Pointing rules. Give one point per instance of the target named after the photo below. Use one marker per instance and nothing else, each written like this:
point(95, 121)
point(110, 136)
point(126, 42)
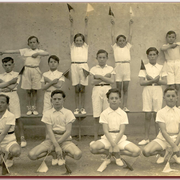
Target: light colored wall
point(50, 23)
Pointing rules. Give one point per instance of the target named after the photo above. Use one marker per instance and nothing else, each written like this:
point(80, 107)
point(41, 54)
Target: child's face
point(33, 44)
point(8, 66)
point(57, 101)
point(121, 42)
point(171, 98)
point(152, 56)
point(114, 100)
point(53, 64)
point(3, 104)
point(79, 41)
point(102, 58)
point(171, 38)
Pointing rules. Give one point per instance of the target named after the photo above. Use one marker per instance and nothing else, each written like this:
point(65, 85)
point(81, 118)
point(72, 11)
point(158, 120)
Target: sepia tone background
point(50, 23)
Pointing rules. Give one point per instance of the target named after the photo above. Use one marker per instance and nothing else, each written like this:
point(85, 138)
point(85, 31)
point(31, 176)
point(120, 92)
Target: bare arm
point(109, 80)
point(6, 84)
point(10, 52)
point(86, 30)
point(4, 132)
point(163, 81)
point(93, 80)
point(71, 29)
point(130, 31)
point(168, 46)
point(113, 32)
point(59, 84)
point(144, 82)
point(121, 133)
point(40, 54)
point(45, 85)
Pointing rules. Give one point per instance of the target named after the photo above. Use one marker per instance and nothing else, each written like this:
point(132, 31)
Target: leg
point(28, 96)
point(82, 95)
point(125, 92)
point(147, 124)
point(119, 86)
point(77, 96)
point(96, 128)
point(34, 97)
point(98, 148)
point(156, 125)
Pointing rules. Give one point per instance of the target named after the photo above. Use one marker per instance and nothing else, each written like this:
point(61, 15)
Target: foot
point(23, 142)
point(29, 110)
point(54, 162)
point(143, 142)
point(83, 111)
point(9, 163)
point(177, 159)
point(125, 109)
point(34, 110)
point(162, 158)
point(76, 111)
point(91, 143)
point(119, 162)
point(61, 162)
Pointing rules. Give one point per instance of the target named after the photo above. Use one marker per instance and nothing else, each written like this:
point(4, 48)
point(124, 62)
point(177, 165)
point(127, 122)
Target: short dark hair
point(7, 59)
point(53, 57)
point(31, 37)
point(102, 51)
point(79, 35)
point(170, 88)
point(113, 90)
point(58, 92)
point(120, 37)
point(170, 32)
point(152, 49)
point(7, 97)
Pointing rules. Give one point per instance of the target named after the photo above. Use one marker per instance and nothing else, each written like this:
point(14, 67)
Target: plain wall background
point(50, 23)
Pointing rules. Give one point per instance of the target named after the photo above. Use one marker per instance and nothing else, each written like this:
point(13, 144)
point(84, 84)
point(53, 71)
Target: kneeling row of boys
point(58, 122)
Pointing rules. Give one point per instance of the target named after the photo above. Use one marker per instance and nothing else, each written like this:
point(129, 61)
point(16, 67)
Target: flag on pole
point(66, 74)
point(5, 169)
point(22, 70)
point(86, 73)
point(70, 7)
point(89, 8)
point(142, 66)
point(131, 12)
point(110, 12)
point(43, 167)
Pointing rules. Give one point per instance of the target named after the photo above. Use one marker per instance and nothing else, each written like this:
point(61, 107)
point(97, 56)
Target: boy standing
point(151, 78)
point(58, 121)
point(51, 80)
point(168, 120)
point(102, 76)
point(8, 142)
point(114, 142)
point(8, 86)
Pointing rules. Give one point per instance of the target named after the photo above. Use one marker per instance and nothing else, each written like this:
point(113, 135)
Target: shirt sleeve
point(159, 117)
point(42, 79)
point(128, 45)
point(163, 72)
point(62, 78)
point(103, 119)
point(86, 45)
point(46, 118)
point(125, 119)
point(114, 46)
point(70, 118)
point(10, 120)
point(142, 73)
point(112, 71)
point(92, 71)
point(22, 51)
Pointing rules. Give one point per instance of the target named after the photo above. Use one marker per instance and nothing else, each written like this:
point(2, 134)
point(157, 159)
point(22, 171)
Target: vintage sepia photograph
point(89, 89)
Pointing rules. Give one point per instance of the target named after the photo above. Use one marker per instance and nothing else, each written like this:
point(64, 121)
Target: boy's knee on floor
point(77, 155)
point(146, 152)
point(32, 155)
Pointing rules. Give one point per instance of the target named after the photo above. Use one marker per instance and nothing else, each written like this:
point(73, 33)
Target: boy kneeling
point(114, 142)
point(58, 121)
point(168, 120)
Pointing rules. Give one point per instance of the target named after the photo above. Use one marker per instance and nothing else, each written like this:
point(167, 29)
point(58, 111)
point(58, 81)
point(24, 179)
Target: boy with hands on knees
point(114, 142)
point(168, 120)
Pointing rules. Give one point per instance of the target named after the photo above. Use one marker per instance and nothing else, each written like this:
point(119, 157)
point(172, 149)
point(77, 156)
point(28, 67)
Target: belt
point(31, 66)
point(114, 131)
point(60, 133)
point(78, 62)
point(102, 85)
point(153, 85)
point(8, 91)
point(122, 62)
point(10, 132)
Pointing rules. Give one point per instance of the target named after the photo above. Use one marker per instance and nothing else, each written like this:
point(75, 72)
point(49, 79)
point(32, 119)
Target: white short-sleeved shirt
point(171, 117)
point(152, 70)
point(172, 53)
point(30, 61)
point(9, 76)
point(98, 70)
point(79, 54)
point(58, 119)
point(53, 75)
point(122, 54)
point(7, 119)
point(113, 118)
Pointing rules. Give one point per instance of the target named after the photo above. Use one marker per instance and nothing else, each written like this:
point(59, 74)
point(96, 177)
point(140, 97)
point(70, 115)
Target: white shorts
point(162, 142)
point(14, 104)
point(77, 74)
point(47, 101)
point(31, 78)
point(99, 99)
point(123, 72)
point(173, 71)
point(121, 144)
point(152, 98)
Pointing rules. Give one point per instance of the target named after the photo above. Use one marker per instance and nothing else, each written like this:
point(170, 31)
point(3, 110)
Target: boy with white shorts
point(8, 144)
point(168, 120)
point(151, 78)
point(114, 142)
point(8, 86)
point(102, 76)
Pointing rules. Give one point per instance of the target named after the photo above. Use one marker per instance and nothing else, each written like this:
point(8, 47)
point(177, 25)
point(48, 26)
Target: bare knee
point(136, 152)
point(146, 152)
point(93, 149)
point(16, 151)
point(77, 155)
point(32, 155)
